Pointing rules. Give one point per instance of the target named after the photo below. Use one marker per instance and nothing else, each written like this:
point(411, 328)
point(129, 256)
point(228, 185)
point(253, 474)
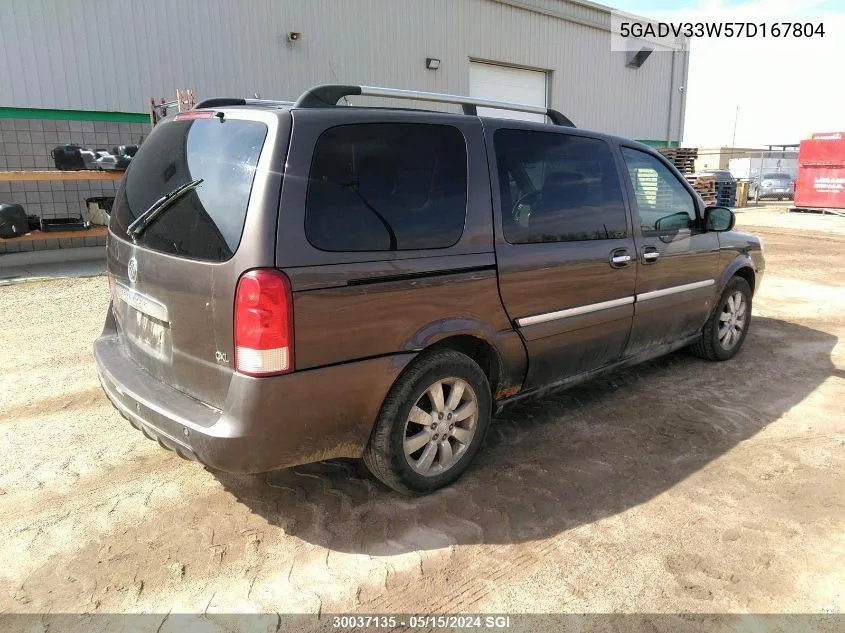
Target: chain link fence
point(737, 177)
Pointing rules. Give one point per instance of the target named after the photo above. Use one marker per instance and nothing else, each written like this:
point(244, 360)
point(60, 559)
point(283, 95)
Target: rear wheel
point(431, 424)
point(725, 330)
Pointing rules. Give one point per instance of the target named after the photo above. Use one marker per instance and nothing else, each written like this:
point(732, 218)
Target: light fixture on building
point(293, 36)
point(635, 59)
point(432, 63)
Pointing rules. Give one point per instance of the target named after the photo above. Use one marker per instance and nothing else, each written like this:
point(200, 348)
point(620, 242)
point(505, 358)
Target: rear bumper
point(266, 423)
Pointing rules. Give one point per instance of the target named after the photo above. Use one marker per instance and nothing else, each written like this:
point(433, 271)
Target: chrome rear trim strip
point(571, 312)
point(655, 294)
point(141, 302)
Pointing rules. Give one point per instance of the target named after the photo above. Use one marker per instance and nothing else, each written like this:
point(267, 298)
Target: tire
point(385, 455)
point(711, 346)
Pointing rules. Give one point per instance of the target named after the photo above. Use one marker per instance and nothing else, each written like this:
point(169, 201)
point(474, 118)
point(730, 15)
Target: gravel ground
point(675, 486)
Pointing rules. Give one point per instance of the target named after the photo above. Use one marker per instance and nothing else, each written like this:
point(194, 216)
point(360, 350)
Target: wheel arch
point(480, 351)
point(747, 273)
point(501, 355)
point(743, 267)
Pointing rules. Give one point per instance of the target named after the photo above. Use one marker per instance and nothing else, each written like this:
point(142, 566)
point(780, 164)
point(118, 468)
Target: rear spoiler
point(222, 102)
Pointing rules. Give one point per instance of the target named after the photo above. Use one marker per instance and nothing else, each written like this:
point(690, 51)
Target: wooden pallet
point(705, 186)
point(682, 157)
point(93, 231)
point(87, 174)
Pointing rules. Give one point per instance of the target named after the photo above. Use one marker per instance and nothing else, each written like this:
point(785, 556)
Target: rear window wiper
point(158, 207)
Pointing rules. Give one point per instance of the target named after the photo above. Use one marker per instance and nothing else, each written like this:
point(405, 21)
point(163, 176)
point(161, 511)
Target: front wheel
point(725, 330)
point(432, 423)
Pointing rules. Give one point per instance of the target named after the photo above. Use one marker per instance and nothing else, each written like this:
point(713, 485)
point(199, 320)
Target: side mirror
point(673, 223)
point(719, 219)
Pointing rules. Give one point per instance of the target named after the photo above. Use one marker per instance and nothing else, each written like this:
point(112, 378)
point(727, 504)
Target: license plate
point(148, 333)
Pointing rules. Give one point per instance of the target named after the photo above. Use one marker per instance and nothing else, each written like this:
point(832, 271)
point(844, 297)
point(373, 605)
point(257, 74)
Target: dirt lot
point(679, 485)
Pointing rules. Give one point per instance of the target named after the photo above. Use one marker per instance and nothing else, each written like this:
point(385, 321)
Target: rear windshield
point(777, 176)
point(206, 223)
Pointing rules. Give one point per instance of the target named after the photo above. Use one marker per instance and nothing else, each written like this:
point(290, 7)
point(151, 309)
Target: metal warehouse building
point(103, 59)
point(83, 71)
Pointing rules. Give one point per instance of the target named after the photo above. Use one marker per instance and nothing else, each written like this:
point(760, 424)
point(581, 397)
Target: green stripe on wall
point(73, 115)
point(653, 143)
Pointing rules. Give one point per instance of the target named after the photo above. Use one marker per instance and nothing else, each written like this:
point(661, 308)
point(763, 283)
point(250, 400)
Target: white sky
point(786, 88)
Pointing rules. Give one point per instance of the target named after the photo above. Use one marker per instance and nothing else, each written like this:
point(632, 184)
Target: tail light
point(263, 323)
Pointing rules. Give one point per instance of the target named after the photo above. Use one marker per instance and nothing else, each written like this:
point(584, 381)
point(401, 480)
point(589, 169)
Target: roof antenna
point(336, 80)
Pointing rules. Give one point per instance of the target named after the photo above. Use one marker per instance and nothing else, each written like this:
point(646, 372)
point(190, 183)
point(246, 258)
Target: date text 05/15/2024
point(721, 29)
point(421, 621)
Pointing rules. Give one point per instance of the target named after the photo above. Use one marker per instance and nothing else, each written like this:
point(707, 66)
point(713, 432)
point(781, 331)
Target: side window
point(557, 188)
point(387, 187)
point(663, 203)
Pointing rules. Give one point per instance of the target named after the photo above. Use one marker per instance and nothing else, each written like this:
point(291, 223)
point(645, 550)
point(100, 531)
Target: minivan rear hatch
point(173, 282)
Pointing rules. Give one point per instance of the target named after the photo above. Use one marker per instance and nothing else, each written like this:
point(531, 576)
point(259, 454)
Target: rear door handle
point(650, 254)
point(620, 258)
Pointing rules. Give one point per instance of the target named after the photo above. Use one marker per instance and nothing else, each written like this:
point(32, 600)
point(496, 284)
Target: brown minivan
point(298, 282)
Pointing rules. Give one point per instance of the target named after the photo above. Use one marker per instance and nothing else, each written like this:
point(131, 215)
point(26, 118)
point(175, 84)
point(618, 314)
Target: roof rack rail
point(328, 95)
point(221, 102)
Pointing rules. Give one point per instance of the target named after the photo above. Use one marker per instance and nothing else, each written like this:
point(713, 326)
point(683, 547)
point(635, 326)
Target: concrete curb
point(57, 256)
point(18, 268)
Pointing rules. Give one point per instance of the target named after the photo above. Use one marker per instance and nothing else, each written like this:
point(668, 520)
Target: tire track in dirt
point(66, 402)
point(460, 512)
point(141, 529)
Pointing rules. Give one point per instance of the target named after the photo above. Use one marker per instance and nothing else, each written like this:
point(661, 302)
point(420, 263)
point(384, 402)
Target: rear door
point(564, 247)
point(677, 261)
point(173, 286)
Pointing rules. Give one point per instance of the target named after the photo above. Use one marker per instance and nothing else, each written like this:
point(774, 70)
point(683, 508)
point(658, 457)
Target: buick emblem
point(132, 270)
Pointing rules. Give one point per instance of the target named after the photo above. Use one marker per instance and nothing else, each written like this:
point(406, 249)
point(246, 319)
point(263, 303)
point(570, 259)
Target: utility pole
point(736, 119)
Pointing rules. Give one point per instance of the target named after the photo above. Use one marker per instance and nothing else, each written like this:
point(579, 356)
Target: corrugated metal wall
point(112, 55)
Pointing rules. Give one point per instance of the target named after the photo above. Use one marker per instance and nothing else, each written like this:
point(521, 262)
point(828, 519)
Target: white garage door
point(501, 83)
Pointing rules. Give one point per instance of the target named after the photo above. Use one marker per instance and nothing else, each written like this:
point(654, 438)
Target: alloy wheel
point(440, 426)
point(732, 320)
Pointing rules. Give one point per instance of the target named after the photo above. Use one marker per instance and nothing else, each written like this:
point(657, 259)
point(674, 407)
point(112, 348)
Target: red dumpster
point(821, 172)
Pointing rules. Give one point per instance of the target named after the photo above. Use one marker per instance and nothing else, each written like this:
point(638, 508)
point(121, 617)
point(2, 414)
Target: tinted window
point(206, 223)
point(557, 188)
point(387, 187)
point(663, 203)
point(777, 176)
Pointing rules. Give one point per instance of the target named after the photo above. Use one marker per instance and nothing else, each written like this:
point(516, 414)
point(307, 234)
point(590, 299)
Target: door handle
point(620, 258)
point(650, 254)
